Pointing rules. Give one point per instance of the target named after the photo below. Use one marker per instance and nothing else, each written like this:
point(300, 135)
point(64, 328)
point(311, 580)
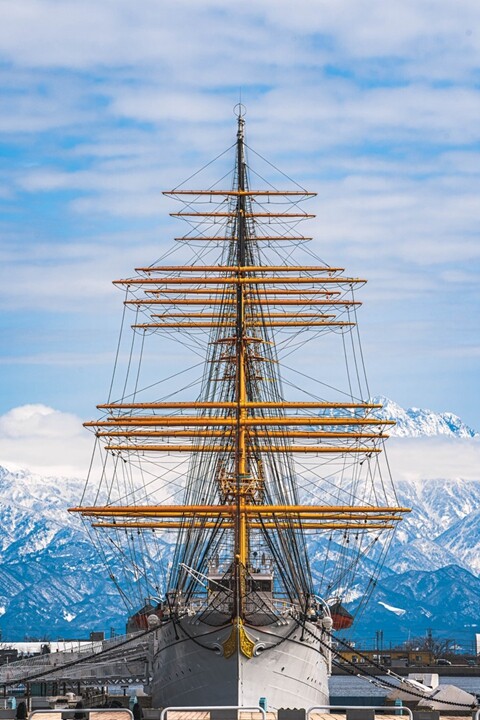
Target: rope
point(385, 670)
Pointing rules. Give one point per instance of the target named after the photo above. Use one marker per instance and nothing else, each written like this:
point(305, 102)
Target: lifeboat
point(341, 618)
point(139, 621)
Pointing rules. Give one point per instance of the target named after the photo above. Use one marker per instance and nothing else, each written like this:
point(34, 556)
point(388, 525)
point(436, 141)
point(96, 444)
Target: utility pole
point(379, 640)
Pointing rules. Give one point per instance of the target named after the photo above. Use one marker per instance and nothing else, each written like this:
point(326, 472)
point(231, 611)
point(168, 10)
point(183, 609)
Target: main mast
point(241, 434)
point(241, 458)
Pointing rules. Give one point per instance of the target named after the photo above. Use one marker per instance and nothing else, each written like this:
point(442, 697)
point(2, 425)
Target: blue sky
point(375, 105)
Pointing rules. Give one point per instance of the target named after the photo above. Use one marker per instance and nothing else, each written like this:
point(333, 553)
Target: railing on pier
point(393, 709)
point(209, 708)
point(71, 712)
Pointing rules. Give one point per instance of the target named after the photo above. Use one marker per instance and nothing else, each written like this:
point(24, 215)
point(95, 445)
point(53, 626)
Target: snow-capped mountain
point(445, 600)
point(463, 540)
point(44, 553)
point(414, 422)
point(54, 584)
point(436, 506)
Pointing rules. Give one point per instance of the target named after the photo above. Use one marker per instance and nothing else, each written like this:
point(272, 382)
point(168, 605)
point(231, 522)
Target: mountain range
point(54, 584)
point(414, 422)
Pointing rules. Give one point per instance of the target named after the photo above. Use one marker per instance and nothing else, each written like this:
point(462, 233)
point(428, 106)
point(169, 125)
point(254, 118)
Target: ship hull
point(189, 668)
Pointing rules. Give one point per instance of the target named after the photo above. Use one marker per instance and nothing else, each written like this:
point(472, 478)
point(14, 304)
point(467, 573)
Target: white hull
point(192, 670)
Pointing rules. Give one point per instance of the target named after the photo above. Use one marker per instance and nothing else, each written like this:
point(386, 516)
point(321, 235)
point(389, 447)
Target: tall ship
point(236, 489)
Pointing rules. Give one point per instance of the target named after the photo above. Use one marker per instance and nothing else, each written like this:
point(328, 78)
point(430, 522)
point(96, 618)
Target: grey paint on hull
point(189, 669)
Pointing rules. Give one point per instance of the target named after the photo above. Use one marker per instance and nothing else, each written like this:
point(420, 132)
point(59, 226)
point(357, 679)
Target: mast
point(240, 433)
point(241, 461)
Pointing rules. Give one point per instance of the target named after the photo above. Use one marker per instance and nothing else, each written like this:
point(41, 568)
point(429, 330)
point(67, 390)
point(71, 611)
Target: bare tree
point(439, 647)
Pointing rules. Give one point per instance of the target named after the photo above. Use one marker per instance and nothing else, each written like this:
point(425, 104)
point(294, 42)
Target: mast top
point(240, 110)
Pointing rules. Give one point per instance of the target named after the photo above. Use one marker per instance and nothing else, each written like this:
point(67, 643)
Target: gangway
point(108, 661)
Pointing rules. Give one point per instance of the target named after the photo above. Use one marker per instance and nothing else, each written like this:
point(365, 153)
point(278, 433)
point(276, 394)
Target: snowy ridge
point(414, 422)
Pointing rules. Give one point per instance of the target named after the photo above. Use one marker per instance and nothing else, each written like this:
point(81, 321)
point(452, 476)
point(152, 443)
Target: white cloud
point(45, 441)
point(434, 458)
point(372, 104)
point(51, 442)
point(71, 278)
point(44, 32)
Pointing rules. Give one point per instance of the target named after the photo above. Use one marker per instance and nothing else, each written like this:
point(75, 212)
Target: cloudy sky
point(375, 105)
